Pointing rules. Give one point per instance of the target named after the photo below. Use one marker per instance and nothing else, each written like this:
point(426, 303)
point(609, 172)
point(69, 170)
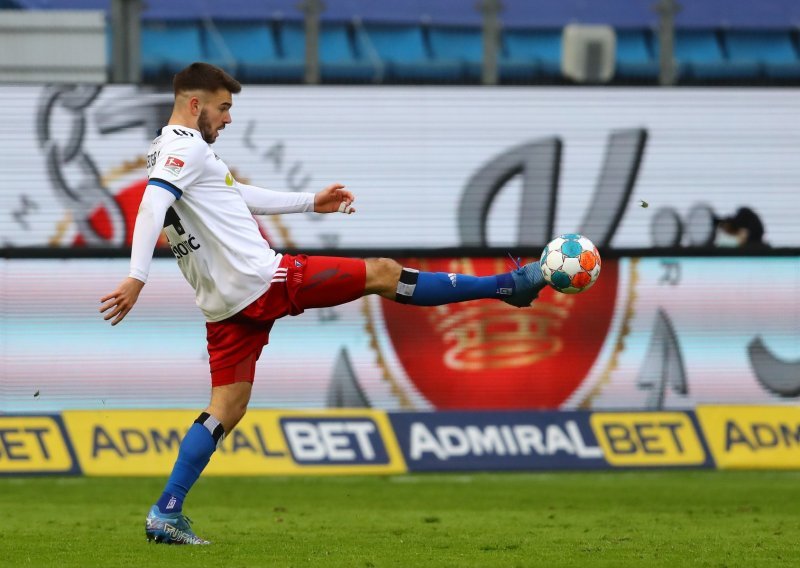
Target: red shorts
point(234, 344)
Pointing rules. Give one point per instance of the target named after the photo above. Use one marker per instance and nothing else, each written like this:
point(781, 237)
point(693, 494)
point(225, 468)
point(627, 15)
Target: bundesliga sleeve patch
point(173, 165)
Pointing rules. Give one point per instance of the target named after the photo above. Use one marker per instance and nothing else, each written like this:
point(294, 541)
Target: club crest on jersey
point(229, 179)
point(173, 165)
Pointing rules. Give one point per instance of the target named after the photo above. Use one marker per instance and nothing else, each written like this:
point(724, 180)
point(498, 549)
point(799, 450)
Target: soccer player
point(241, 284)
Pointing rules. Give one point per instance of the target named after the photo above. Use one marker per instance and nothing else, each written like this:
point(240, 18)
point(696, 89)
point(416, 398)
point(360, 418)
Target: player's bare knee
point(236, 417)
point(230, 417)
point(237, 411)
point(382, 276)
point(228, 412)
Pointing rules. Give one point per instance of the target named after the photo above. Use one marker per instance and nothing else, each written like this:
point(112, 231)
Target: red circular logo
point(486, 354)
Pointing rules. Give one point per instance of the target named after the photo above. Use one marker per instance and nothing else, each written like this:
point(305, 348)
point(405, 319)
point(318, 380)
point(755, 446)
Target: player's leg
point(229, 402)
point(230, 394)
point(328, 281)
point(331, 281)
point(228, 406)
point(389, 279)
point(166, 522)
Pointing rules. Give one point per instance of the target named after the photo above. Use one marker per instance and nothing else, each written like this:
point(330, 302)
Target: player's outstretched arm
point(119, 302)
point(334, 199)
point(261, 201)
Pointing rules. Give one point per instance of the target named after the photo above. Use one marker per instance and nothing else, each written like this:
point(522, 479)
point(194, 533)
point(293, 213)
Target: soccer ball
point(570, 263)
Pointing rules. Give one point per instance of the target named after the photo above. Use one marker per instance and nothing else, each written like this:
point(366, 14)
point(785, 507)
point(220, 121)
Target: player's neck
point(178, 119)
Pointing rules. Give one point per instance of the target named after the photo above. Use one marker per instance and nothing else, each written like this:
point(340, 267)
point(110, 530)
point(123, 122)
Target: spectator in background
point(741, 230)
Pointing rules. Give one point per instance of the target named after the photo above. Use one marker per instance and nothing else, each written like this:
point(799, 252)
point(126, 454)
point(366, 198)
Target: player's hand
point(119, 302)
point(334, 199)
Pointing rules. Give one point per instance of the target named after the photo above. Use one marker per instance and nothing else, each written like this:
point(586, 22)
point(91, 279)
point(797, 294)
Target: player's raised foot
point(172, 528)
point(528, 280)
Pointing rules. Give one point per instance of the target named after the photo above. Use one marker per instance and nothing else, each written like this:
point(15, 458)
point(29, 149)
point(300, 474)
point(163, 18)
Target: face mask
point(726, 240)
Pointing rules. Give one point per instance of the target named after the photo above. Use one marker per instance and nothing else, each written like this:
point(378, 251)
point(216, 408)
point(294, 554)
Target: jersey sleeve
point(149, 222)
point(179, 164)
point(263, 201)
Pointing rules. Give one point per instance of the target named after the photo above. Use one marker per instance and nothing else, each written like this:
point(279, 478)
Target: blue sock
point(193, 456)
point(438, 288)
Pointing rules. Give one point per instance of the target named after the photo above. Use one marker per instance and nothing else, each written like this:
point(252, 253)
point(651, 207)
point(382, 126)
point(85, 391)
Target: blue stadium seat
point(700, 57)
point(339, 61)
point(168, 48)
point(403, 54)
point(634, 58)
point(251, 45)
point(532, 52)
point(460, 46)
point(465, 45)
point(773, 50)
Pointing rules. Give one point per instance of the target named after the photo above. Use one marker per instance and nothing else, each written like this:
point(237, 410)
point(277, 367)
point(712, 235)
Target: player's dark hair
point(201, 76)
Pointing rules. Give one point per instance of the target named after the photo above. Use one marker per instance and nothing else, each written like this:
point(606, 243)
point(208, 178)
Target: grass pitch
point(678, 518)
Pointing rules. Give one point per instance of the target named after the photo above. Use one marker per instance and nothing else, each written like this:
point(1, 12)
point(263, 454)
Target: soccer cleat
point(528, 280)
point(172, 528)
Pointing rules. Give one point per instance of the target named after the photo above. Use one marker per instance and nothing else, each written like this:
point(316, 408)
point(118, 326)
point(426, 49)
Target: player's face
point(215, 114)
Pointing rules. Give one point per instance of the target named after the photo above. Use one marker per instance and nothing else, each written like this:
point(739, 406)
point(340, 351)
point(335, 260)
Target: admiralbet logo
point(333, 441)
point(455, 441)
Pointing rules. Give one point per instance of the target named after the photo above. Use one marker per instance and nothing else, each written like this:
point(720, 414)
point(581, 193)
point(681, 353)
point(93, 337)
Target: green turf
point(689, 518)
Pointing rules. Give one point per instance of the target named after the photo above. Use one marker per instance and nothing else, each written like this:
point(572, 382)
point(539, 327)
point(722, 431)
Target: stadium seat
point(168, 48)
point(634, 58)
point(339, 61)
point(773, 50)
point(459, 46)
point(700, 57)
point(403, 54)
point(251, 45)
point(531, 53)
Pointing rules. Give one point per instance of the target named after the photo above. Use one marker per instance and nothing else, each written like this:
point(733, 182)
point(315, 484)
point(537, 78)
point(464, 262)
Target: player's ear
point(195, 105)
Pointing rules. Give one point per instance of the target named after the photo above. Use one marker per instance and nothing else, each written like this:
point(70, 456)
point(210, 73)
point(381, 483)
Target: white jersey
point(218, 244)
